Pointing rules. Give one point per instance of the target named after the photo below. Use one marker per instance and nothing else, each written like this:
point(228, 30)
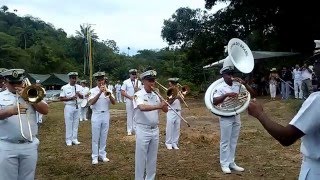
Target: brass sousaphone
point(240, 56)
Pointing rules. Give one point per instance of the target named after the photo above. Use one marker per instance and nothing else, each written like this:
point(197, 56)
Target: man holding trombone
point(173, 120)
point(147, 105)
point(18, 128)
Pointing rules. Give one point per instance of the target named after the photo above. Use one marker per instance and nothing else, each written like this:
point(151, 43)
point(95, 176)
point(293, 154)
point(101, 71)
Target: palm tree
point(85, 30)
point(88, 35)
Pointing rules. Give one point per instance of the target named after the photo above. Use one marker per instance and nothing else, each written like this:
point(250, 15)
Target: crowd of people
point(296, 82)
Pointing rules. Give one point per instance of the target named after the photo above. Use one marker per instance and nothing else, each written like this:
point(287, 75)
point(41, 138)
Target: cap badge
point(15, 74)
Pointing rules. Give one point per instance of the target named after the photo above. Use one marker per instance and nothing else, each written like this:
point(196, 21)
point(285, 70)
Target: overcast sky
point(131, 23)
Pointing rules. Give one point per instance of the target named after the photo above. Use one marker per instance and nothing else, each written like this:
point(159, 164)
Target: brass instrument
point(136, 85)
point(32, 93)
point(174, 92)
point(158, 94)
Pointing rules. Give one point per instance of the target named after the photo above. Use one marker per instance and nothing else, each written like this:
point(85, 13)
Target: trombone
point(31, 94)
point(172, 92)
point(158, 94)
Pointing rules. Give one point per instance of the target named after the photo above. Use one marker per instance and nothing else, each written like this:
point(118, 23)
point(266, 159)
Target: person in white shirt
point(306, 85)
point(110, 86)
point(100, 105)
point(39, 116)
point(85, 93)
point(229, 125)
point(305, 125)
point(118, 92)
point(147, 106)
point(297, 81)
point(173, 120)
point(128, 88)
point(70, 94)
point(18, 142)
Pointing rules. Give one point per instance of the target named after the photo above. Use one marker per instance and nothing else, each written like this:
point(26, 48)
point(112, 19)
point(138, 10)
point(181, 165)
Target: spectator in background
point(273, 81)
point(297, 81)
point(285, 78)
point(306, 84)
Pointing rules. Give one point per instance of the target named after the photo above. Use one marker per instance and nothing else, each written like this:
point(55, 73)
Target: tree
point(183, 27)
point(280, 26)
point(4, 8)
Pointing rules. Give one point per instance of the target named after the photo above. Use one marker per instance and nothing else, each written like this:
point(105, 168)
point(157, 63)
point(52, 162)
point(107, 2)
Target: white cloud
point(135, 24)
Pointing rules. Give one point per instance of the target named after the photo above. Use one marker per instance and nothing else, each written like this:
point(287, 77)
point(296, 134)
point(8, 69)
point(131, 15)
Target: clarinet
point(75, 92)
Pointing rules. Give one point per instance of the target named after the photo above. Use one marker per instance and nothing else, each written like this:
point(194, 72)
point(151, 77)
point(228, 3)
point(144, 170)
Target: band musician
point(128, 88)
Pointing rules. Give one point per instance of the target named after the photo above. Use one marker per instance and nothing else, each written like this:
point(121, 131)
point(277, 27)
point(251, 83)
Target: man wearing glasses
point(128, 88)
point(70, 94)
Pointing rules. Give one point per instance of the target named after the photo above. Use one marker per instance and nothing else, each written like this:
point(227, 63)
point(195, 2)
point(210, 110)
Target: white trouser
point(129, 109)
point(147, 142)
point(39, 117)
point(273, 90)
point(310, 169)
point(297, 89)
point(230, 129)
point(118, 96)
point(99, 129)
point(18, 161)
point(83, 112)
point(71, 119)
point(173, 127)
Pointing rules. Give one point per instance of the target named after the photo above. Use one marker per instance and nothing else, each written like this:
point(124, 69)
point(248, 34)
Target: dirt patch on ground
point(198, 157)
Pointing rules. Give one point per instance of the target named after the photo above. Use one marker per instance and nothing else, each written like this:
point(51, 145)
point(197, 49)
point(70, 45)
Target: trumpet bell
point(185, 89)
point(33, 93)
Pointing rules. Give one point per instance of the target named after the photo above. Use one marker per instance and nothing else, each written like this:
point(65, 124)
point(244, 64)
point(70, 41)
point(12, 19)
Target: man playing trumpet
point(100, 99)
point(229, 125)
point(18, 148)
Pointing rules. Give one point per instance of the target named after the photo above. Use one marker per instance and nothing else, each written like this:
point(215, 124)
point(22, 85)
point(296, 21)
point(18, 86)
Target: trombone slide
point(171, 107)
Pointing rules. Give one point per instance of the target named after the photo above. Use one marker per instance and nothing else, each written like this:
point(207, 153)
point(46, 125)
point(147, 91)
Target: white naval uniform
point(128, 87)
point(147, 135)
point(83, 110)
point(307, 120)
point(99, 124)
point(297, 80)
point(173, 123)
point(18, 157)
point(229, 128)
point(71, 113)
point(118, 92)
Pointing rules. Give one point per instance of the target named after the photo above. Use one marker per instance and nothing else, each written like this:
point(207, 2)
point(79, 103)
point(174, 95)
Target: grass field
point(198, 157)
